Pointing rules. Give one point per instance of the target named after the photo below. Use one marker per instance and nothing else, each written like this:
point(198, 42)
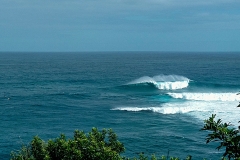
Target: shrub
point(95, 145)
point(104, 145)
point(229, 137)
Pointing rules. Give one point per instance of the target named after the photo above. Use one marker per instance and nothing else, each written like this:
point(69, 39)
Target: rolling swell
point(140, 87)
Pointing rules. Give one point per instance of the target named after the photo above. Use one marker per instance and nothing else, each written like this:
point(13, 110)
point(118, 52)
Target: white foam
point(207, 96)
point(164, 82)
point(153, 109)
point(201, 110)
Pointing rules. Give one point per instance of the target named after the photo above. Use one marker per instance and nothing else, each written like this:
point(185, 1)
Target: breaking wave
point(163, 82)
point(199, 100)
point(201, 110)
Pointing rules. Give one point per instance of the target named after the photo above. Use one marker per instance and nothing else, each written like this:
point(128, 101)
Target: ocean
point(156, 102)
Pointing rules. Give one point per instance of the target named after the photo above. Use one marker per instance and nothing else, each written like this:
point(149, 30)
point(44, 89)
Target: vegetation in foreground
point(228, 137)
point(104, 145)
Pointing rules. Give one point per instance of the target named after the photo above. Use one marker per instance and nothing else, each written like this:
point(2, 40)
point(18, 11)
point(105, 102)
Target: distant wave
point(207, 96)
point(163, 82)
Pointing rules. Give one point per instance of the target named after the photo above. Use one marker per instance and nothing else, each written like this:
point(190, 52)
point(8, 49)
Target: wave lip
point(163, 82)
point(206, 96)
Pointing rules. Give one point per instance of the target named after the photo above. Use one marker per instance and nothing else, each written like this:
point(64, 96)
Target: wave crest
point(163, 82)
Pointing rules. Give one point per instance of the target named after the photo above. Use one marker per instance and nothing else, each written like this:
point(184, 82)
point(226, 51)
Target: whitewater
point(196, 104)
point(156, 102)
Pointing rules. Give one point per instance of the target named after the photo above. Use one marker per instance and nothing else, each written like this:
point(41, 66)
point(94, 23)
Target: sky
point(120, 25)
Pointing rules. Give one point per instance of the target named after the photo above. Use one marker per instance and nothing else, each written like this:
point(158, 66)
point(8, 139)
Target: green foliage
point(95, 145)
point(38, 149)
point(104, 145)
point(229, 137)
point(23, 154)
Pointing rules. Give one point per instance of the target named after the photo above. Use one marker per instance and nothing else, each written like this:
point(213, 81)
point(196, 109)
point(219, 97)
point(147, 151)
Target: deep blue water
point(155, 102)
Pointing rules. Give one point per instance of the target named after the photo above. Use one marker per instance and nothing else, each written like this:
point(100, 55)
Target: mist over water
point(155, 102)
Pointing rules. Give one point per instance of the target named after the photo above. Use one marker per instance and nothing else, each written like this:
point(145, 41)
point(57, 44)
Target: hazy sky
point(119, 25)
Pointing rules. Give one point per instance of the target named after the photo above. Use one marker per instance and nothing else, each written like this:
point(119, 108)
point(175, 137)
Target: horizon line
point(119, 51)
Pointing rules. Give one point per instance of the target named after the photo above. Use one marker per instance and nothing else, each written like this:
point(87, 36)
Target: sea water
point(156, 102)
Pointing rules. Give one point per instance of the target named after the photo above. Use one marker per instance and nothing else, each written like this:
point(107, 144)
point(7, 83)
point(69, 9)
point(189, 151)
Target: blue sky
point(120, 25)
